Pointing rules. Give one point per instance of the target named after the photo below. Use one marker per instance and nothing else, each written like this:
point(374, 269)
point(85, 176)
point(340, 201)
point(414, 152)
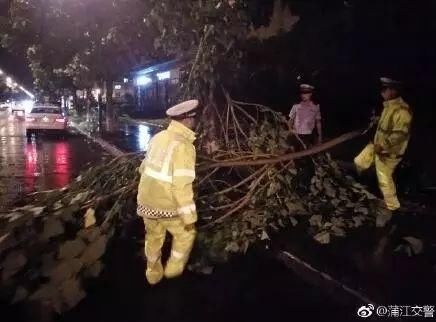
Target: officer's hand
point(190, 227)
point(378, 149)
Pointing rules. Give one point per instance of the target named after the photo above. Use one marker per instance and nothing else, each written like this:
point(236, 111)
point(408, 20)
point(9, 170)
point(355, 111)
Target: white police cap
point(187, 109)
point(307, 88)
point(386, 81)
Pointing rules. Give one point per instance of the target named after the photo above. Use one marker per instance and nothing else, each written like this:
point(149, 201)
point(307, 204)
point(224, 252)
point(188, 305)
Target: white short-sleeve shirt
point(304, 116)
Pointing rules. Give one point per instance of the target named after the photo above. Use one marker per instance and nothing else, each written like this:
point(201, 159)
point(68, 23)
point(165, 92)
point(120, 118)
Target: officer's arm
point(292, 116)
point(142, 166)
point(183, 177)
point(319, 124)
point(402, 121)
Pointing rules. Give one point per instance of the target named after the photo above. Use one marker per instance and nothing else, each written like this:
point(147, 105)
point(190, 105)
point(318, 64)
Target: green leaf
point(329, 189)
point(362, 210)
point(416, 244)
point(316, 220)
point(322, 237)
point(232, 247)
point(358, 221)
point(338, 231)
point(264, 235)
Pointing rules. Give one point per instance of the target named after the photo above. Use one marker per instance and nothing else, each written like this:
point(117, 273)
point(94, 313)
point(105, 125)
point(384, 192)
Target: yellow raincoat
point(390, 143)
point(166, 199)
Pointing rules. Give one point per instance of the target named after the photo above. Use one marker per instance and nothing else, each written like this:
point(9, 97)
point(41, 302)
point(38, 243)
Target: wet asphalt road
point(42, 163)
point(131, 137)
point(251, 288)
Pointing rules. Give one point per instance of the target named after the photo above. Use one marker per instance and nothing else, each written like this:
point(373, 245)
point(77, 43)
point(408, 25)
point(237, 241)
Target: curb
point(321, 279)
point(133, 121)
point(108, 147)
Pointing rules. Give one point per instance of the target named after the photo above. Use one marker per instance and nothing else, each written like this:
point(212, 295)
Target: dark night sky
point(16, 67)
point(13, 65)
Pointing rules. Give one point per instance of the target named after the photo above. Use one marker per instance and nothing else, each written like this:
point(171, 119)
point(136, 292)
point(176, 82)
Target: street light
point(27, 92)
point(143, 80)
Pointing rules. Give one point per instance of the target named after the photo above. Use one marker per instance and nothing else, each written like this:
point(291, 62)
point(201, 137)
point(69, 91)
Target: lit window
point(117, 86)
point(125, 80)
point(143, 80)
point(163, 75)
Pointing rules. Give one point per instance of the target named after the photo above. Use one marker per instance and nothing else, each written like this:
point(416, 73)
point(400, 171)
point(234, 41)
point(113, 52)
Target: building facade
point(156, 86)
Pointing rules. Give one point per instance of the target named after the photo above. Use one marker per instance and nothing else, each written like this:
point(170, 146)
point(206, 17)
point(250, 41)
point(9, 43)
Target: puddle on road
point(131, 137)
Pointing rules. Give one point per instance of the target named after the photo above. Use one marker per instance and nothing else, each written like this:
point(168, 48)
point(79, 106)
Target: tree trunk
point(76, 102)
point(110, 116)
point(286, 157)
point(88, 102)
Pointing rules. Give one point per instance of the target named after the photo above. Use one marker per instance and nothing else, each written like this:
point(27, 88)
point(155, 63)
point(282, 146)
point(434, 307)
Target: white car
point(46, 118)
point(17, 109)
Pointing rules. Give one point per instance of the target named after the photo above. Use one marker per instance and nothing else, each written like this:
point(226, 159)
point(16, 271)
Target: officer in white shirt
point(304, 116)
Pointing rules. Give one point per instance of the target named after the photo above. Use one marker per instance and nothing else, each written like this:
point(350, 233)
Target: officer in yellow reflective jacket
point(390, 143)
point(165, 195)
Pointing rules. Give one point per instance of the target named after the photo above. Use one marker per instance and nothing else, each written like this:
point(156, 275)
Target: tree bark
point(110, 116)
point(88, 102)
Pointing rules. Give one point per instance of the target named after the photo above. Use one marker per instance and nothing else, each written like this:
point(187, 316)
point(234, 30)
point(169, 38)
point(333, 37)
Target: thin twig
point(226, 128)
point(250, 177)
point(208, 176)
point(243, 202)
point(235, 130)
point(208, 29)
point(237, 124)
point(111, 195)
point(245, 113)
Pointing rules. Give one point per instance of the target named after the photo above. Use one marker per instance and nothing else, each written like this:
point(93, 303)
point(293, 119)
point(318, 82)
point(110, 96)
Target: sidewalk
point(129, 136)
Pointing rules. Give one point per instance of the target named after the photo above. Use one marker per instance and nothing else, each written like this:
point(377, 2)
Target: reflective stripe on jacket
point(393, 131)
point(168, 171)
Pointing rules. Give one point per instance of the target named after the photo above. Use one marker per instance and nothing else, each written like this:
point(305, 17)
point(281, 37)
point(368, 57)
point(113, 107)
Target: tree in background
point(76, 44)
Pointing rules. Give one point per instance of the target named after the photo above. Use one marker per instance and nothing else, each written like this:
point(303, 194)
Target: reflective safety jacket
point(167, 173)
point(393, 131)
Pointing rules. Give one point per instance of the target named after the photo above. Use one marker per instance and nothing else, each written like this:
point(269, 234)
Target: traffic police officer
point(389, 144)
point(305, 115)
point(165, 193)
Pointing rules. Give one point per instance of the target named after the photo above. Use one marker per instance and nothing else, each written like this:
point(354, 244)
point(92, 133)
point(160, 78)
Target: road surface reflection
point(42, 163)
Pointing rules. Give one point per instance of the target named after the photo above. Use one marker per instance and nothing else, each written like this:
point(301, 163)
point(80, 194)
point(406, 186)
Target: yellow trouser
point(181, 247)
point(385, 167)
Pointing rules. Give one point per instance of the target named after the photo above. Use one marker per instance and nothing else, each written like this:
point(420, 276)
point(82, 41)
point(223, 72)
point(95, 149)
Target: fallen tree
point(55, 242)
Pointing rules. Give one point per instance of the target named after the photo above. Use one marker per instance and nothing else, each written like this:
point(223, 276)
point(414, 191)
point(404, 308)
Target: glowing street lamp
point(27, 92)
point(143, 80)
point(163, 75)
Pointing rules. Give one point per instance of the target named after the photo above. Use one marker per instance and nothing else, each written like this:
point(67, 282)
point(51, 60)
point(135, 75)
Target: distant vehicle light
point(163, 75)
point(60, 120)
point(143, 80)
